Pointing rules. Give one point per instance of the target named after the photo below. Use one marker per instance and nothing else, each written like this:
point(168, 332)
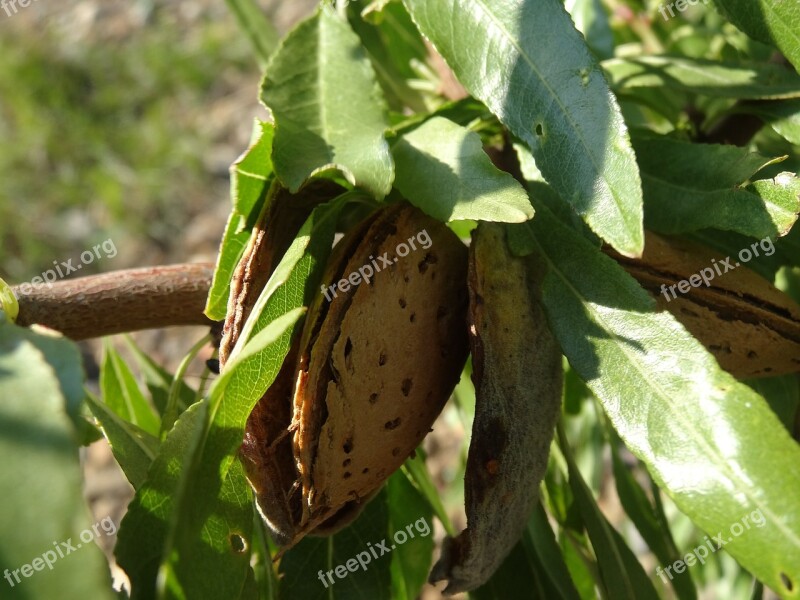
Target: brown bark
point(119, 301)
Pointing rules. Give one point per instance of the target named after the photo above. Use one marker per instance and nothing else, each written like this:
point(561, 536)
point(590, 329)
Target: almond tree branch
point(119, 301)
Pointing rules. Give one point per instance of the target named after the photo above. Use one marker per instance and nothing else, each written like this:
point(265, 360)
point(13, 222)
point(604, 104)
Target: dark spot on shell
point(395, 452)
point(407, 384)
point(393, 424)
point(365, 470)
point(381, 359)
point(347, 462)
point(347, 474)
point(348, 446)
point(413, 317)
point(752, 354)
point(429, 259)
point(402, 302)
point(373, 398)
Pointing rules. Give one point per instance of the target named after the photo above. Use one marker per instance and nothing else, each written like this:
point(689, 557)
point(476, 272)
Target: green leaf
point(644, 516)
point(8, 301)
point(41, 476)
point(620, 572)
point(592, 21)
point(688, 187)
point(513, 576)
point(409, 512)
point(121, 393)
point(158, 380)
point(712, 444)
point(256, 26)
point(441, 168)
point(251, 176)
point(151, 514)
point(133, 448)
point(395, 48)
point(529, 65)
point(328, 108)
point(417, 472)
point(783, 396)
point(308, 568)
point(743, 81)
point(774, 22)
point(540, 542)
point(214, 503)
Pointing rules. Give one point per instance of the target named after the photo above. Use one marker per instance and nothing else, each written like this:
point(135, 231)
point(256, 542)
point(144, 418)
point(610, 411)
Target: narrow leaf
point(256, 26)
point(712, 444)
point(121, 393)
point(688, 187)
point(743, 81)
point(529, 65)
point(133, 448)
point(620, 572)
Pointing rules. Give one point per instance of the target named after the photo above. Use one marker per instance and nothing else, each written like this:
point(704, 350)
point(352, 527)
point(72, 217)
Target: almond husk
point(517, 372)
point(366, 380)
point(751, 327)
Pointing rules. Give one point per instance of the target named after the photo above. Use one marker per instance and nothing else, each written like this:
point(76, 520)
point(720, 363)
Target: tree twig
point(120, 301)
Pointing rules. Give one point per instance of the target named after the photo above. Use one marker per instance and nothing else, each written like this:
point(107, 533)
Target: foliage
point(602, 128)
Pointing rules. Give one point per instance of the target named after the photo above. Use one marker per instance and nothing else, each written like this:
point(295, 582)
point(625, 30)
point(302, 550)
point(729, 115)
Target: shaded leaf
point(308, 569)
point(743, 81)
point(133, 448)
point(411, 513)
point(770, 21)
point(696, 186)
point(41, 477)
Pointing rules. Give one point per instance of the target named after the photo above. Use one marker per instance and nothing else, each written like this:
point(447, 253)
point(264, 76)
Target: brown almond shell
point(751, 327)
point(386, 356)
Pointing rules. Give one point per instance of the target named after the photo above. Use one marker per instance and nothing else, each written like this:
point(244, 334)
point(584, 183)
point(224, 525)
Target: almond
point(518, 382)
point(374, 368)
point(752, 328)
